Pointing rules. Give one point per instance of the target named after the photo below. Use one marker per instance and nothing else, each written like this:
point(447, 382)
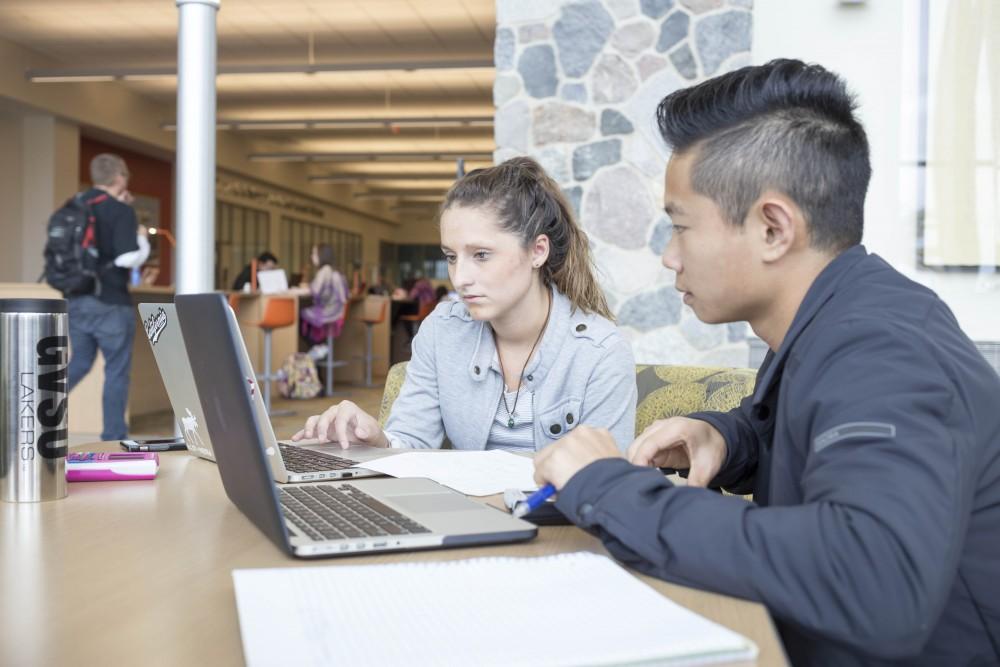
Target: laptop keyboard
point(298, 459)
point(334, 513)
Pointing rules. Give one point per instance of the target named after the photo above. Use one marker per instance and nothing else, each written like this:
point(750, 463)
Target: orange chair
point(425, 310)
point(279, 312)
point(412, 322)
point(370, 323)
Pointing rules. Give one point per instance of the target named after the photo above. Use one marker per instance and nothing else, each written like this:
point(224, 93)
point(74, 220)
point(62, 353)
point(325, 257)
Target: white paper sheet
point(472, 473)
point(569, 609)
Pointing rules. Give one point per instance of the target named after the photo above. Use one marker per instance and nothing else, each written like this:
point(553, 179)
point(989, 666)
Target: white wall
point(50, 153)
point(10, 195)
point(866, 43)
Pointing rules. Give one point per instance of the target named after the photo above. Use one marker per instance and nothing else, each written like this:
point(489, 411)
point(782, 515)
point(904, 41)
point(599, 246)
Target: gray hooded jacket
point(582, 373)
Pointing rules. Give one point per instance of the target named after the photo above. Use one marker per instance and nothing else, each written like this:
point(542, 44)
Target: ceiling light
point(77, 78)
point(283, 125)
point(388, 176)
point(347, 123)
point(402, 195)
point(409, 156)
point(376, 194)
point(50, 75)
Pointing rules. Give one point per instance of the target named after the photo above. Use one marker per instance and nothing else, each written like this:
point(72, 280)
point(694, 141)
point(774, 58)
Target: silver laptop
point(159, 320)
point(325, 519)
point(290, 462)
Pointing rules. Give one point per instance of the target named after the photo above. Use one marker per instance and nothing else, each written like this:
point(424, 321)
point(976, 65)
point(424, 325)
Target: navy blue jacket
point(872, 446)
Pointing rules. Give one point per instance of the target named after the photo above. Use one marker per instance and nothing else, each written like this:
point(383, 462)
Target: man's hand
point(681, 443)
point(558, 462)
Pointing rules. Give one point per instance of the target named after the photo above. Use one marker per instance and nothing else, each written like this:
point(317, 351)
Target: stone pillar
point(576, 88)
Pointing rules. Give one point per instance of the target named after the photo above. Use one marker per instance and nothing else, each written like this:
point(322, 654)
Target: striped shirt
point(521, 437)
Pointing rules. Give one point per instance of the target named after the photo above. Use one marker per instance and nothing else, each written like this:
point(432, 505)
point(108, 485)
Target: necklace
point(511, 410)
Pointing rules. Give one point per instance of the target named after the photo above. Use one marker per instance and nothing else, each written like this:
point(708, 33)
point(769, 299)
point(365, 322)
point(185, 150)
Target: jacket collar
point(552, 340)
point(822, 290)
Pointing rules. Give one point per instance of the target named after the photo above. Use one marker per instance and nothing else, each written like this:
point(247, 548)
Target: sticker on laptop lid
point(154, 325)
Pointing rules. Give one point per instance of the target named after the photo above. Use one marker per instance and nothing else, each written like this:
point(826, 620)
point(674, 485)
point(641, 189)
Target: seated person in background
point(441, 294)
point(357, 280)
point(382, 287)
point(528, 354)
point(402, 293)
point(422, 291)
point(872, 441)
point(329, 294)
point(265, 262)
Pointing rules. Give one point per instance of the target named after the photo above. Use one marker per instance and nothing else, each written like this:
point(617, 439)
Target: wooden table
point(127, 573)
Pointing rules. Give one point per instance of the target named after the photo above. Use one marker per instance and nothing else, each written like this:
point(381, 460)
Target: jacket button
point(530, 378)
point(581, 327)
point(585, 511)
point(569, 418)
point(555, 429)
point(763, 412)
point(476, 369)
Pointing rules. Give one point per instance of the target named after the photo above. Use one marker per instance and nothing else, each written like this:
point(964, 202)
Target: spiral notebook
point(568, 609)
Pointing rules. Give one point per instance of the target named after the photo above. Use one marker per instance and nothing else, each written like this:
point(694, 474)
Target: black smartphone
point(154, 445)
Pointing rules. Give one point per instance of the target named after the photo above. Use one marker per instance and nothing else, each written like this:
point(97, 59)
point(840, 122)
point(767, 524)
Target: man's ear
point(780, 224)
point(539, 250)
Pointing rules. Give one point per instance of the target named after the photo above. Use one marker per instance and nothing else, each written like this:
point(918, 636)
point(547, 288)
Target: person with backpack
point(92, 273)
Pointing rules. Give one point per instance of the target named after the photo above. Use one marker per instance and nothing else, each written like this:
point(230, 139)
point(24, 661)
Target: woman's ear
point(539, 251)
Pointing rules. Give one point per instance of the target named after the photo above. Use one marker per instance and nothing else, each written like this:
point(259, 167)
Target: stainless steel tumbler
point(34, 425)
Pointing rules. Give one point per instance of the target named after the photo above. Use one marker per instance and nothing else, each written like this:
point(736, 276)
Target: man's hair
point(267, 256)
point(785, 125)
point(105, 167)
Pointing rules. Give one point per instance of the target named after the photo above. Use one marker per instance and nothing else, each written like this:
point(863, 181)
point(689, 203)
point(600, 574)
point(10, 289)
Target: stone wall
point(577, 87)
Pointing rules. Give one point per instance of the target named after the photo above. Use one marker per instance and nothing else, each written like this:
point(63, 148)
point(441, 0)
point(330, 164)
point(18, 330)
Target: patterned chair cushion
point(393, 383)
point(664, 391)
point(671, 391)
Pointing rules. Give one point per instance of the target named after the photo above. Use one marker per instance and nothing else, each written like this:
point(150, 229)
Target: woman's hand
point(344, 423)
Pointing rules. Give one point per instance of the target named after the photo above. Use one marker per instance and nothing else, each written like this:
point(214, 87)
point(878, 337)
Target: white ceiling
point(109, 34)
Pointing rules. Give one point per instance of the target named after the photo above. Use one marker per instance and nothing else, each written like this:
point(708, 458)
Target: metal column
point(195, 222)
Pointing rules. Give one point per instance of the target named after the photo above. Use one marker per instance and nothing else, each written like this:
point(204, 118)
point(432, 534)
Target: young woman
point(329, 293)
point(528, 353)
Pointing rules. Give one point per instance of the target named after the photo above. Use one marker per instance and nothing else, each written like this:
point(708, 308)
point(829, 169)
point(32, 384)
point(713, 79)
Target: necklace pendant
point(510, 422)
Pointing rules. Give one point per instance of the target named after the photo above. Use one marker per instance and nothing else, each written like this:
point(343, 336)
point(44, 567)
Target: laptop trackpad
point(434, 502)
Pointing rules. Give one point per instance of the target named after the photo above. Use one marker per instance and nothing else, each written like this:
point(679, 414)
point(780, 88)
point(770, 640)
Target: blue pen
point(534, 501)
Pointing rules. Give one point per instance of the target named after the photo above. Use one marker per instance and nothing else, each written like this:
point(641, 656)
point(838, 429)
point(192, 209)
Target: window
point(426, 260)
point(958, 139)
point(241, 233)
point(298, 237)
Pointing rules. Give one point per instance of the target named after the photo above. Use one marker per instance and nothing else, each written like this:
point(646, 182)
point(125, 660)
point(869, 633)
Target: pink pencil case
point(111, 466)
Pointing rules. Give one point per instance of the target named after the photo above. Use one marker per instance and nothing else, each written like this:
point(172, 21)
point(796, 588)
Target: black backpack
point(72, 263)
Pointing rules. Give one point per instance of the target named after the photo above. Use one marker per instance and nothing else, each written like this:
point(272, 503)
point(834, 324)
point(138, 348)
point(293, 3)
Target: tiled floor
point(161, 424)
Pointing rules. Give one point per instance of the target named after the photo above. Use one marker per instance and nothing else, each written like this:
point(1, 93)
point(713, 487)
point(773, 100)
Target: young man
point(872, 440)
point(265, 262)
point(106, 320)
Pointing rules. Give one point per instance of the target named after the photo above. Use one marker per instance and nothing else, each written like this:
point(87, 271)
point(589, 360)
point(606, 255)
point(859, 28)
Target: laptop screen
point(163, 330)
point(227, 390)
